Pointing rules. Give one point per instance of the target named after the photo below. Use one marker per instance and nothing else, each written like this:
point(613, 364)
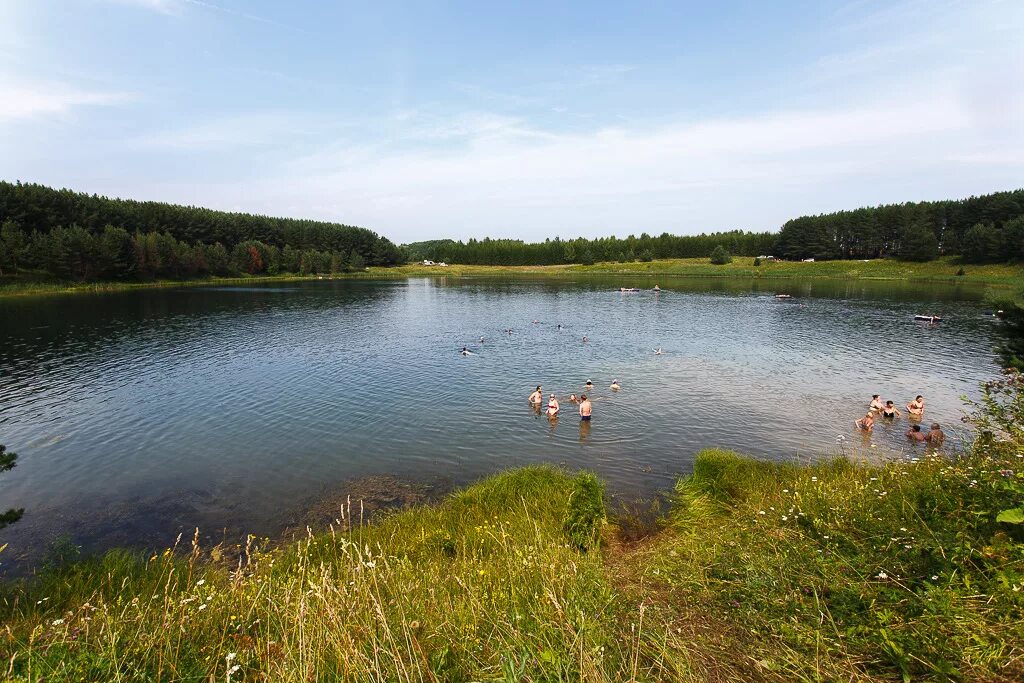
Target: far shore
point(945, 270)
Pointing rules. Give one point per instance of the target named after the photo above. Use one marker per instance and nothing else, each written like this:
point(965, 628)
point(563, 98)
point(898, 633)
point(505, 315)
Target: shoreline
point(942, 271)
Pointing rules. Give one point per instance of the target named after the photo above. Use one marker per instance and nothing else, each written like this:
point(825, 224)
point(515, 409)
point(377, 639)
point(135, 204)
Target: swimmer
point(586, 409)
point(615, 385)
point(657, 351)
point(916, 407)
point(657, 288)
point(537, 396)
point(915, 434)
point(589, 386)
point(536, 322)
point(466, 352)
point(866, 422)
point(559, 327)
point(553, 406)
point(936, 436)
point(585, 340)
point(876, 403)
point(481, 340)
point(573, 399)
point(890, 410)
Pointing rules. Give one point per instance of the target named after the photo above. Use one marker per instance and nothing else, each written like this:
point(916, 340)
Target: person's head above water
point(583, 397)
point(874, 396)
point(538, 387)
point(919, 398)
point(888, 403)
point(916, 428)
point(935, 426)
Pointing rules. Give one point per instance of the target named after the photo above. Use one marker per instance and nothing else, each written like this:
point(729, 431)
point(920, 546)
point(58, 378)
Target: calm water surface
point(140, 414)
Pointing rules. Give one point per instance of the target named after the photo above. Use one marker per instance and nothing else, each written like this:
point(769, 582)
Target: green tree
point(7, 462)
point(356, 261)
point(919, 244)
point(13, 246)
point(720, 256)
point(983, 243)
point(117, 258)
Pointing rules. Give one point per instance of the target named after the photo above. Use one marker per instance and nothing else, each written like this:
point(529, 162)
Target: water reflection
point(142, 413)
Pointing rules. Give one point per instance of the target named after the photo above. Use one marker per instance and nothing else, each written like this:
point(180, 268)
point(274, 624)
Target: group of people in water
point(585, 406)
point(888, 411)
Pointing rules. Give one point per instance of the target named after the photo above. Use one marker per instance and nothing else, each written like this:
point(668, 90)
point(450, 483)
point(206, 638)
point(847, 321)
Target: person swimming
point(481, 340)
point(537, 396)
point(915, 434)
point(615, 385)
point(657, 351)
point(585, 340)
point(936, 436)
point(553, 406)
point(876, 403)
point(890, 411)
point(916, 407)
point(466, 352)
point(589, 385)
point(866, 422)
point(559, 327)
point(536, 322)
point(573, 399)
point(586, 409)
point(657, 288)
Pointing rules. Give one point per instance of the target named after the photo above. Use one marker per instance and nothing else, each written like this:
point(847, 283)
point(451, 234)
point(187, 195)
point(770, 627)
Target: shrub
point(757, 261)
point(720, 256)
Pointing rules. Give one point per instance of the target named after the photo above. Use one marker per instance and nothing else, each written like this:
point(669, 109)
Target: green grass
point(767, 571)
point(941, 270)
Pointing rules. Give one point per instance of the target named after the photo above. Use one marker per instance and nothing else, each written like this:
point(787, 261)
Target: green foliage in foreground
point(763, 571)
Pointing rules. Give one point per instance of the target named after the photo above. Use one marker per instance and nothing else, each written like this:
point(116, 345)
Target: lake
point(140, 414)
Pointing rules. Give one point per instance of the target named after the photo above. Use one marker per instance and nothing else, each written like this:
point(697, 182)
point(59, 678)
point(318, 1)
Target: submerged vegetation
point(761, 571)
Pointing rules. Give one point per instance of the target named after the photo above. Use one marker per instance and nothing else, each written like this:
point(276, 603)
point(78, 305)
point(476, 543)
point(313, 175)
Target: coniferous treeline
point(503, 252)
point(86, 237)
point(989, 228)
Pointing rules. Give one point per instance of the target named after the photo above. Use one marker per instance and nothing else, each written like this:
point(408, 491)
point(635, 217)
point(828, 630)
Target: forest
point(983, 229)
point(77, 236)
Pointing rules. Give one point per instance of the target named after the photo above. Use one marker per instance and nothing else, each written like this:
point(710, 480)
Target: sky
point(427, 120)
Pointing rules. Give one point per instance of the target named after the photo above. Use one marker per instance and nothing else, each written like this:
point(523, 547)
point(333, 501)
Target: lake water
point(140, 414)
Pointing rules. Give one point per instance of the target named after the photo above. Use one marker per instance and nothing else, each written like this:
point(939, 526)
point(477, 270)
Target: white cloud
point(24, 101)
point(231, 132)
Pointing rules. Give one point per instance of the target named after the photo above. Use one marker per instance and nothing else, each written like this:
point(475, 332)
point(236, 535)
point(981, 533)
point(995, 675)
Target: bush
point(960, 273)
point(720, 256)
point(757, 262)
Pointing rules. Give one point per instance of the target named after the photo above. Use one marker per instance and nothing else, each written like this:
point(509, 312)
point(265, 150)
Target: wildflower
point(58, 622)
point(935, 578)
point(760, 512)
point(903, 528)
point(231, 655)
point(481, 572)
point(784, 518)
point(882, 575)
point(202, 607)
point(814, 479)
point(200, 582)
point(785, 490)
point(1006, 473)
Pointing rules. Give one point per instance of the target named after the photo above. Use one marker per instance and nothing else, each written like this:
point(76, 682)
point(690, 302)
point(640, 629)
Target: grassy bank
point(761, 571)
point(941, 270)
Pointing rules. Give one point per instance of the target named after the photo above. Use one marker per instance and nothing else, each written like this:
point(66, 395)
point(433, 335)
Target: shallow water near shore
point(140, 414)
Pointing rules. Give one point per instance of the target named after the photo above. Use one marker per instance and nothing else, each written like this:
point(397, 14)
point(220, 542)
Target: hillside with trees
point(77, 236)
point(984, 229)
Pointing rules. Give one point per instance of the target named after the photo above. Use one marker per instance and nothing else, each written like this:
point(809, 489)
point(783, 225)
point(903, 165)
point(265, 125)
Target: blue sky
point(467, 119)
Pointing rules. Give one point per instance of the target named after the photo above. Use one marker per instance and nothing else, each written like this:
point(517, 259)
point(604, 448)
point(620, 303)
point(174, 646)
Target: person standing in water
point(916, 435)
point(537, 397)
point(553, 407)
point(890, 411)
point(936, 436)
point(586, 409)
point(876, 404)
point(615, 385)
point(866, 422)
point(916, 407)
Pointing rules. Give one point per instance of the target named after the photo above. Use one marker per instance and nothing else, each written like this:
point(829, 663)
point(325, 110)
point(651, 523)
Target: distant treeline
point(85, 237)
point(982, 229)
point(581, 250)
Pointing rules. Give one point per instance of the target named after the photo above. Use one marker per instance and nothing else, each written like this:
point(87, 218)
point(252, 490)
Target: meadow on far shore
point(945, 269)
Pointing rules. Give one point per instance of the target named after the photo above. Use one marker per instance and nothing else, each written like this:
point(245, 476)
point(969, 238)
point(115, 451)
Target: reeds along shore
point(760, 571)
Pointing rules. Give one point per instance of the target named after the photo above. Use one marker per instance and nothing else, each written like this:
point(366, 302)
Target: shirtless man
point(876, 404)
point(890, 410)
point(936, 436)
point(916, 435)
point(537, 396)
point(866, 422)
point(553, 407)
point(615, 385)
point(916, 407)
point(585, 408)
